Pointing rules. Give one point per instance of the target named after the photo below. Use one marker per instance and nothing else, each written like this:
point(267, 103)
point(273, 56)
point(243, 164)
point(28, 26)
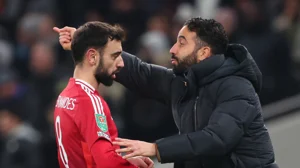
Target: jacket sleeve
point(237, 106)
point(149, 80)
point(104, 155)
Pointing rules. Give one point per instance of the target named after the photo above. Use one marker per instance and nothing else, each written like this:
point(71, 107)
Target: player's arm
point(91, 121)
point(105, 156)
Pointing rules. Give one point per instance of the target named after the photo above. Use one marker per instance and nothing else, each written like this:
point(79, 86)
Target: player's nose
point(120, 63)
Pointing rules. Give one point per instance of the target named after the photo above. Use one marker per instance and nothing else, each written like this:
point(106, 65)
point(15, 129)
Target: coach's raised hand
point(65, 36)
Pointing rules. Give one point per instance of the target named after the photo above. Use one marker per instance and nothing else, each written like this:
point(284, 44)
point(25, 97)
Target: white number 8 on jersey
point(62, 152)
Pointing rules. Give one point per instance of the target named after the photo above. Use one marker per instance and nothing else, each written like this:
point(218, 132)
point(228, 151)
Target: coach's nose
point(174, 49)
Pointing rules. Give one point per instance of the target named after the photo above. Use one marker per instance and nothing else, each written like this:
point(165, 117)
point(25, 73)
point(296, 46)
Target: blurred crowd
point(34, 68)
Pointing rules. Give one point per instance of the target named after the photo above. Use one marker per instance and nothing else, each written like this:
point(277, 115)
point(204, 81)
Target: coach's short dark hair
point(94, 35)
point(210, 32)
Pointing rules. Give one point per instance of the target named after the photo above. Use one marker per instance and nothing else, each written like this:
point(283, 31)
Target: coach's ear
point(92, 57)
point(203, 53)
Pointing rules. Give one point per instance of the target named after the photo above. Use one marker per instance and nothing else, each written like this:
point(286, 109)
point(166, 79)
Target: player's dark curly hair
point(210, 32)
point(94, 35)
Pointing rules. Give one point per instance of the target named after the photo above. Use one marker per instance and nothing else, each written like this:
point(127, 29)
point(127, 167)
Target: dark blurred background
point(34, 68)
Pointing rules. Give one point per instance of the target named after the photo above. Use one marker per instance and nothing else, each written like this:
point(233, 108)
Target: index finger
point(67, 28)
point(56, 29)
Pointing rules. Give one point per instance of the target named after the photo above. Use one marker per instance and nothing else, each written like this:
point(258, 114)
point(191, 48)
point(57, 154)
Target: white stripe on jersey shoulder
point(101, 106)
point(95, 99)
point(82, 82)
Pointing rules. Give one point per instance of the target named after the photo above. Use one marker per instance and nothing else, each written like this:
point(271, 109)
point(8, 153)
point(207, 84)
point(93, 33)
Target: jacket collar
point(199, 72)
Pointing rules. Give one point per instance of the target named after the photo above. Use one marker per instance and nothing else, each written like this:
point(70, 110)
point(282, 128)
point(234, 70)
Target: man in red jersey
point(83, 123)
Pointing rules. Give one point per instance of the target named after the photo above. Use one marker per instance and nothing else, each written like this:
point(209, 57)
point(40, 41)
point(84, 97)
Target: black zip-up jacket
point(215, 107)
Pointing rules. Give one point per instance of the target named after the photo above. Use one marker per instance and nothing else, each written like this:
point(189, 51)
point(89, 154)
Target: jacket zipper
point(195, 113)
point(195, 119)
point(195, 122)
point(177, 107)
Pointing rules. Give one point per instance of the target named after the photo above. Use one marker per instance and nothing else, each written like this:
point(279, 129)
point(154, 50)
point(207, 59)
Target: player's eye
point(116, 56)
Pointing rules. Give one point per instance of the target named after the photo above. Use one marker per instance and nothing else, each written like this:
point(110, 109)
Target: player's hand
point(141, 162)
point(65, 36)
point(135, 148)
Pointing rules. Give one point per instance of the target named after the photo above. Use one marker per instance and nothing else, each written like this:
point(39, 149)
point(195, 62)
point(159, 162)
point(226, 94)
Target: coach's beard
point(185, 63)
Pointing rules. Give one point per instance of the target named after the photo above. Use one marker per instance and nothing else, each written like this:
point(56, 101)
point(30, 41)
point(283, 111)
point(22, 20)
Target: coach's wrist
point(157, 153)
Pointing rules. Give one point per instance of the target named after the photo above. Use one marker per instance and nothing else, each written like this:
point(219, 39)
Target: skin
point(110, 63)
point(187, 50)
point(100, 67)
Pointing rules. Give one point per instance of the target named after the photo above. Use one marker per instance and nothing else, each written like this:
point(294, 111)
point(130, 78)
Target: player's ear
point(91, 56)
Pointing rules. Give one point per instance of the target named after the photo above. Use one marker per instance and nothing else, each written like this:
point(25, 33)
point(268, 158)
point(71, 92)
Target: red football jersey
point(84, 129)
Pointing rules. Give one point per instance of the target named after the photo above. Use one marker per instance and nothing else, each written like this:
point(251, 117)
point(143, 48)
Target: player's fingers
point(67, 28)
point(148, 161)
point(151, 165)
point(143, 164)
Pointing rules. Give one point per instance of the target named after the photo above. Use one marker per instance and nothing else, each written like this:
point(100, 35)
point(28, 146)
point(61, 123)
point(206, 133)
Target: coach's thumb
point(56, 29)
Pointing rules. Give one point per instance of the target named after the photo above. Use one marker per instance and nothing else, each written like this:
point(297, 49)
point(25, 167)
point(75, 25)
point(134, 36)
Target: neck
point(85, 75)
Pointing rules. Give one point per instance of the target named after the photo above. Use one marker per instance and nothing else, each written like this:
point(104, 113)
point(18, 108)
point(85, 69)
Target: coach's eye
point(181, 44)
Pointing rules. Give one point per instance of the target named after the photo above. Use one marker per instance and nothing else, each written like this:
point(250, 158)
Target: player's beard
point(102, 75)
point(185, 63)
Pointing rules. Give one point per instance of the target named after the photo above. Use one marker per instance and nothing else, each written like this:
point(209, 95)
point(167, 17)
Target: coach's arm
point(237, 107)
point(149, 80)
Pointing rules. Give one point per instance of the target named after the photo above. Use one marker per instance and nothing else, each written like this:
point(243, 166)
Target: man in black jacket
point(212, 90)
